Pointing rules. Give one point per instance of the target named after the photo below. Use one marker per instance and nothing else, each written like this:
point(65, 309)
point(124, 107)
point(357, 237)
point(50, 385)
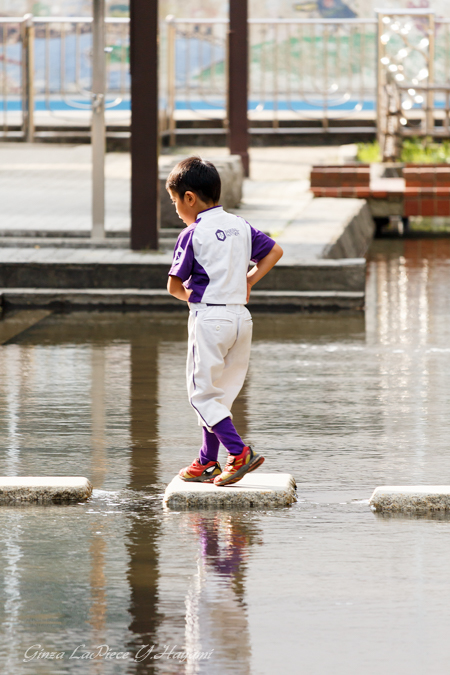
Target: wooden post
point(238, 81)
point(144, 124)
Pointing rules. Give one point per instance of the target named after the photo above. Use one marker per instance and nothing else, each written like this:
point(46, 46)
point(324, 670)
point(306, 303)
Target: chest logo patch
point(220, 234)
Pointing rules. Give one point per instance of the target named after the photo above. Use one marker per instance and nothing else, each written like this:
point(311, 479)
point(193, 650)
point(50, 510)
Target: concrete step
point(85, 235)
point(56, 268)
point(133, 299)
point(165, 243)
point(64, 242)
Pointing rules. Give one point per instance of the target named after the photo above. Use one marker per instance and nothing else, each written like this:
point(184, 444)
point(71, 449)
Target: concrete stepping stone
point(254, 490)
point(396, 498)
point(44, 489)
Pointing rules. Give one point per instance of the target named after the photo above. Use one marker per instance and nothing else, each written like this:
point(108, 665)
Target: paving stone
point(255, 490)
point(418, 498)
point(44, 489)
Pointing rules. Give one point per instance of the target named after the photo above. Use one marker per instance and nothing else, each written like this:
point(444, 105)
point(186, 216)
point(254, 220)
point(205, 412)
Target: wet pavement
point(342, 401)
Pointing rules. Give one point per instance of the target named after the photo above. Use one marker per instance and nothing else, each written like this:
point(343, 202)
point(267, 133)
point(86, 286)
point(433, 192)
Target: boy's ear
point(190, 197)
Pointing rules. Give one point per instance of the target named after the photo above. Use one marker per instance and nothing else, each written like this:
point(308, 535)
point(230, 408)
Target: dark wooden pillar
point(144, 123)
point(238, 80)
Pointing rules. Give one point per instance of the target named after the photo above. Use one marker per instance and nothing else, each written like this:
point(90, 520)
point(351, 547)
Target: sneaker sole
point(240, 473)
point(199, 479)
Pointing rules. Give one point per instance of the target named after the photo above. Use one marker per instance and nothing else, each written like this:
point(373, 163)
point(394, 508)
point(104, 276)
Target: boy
point(210, 272)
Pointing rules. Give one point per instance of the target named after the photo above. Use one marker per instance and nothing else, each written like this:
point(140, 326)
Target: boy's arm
point(262, 267)
point(176, 288)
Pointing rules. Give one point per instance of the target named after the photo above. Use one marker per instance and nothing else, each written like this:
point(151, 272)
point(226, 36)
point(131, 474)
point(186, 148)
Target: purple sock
point(228, 436)
point(210, 448)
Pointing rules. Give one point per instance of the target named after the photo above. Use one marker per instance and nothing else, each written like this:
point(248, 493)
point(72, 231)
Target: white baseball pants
point(219, 345)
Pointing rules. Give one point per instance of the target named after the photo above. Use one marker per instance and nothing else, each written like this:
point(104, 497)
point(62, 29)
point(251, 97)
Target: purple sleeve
point(183, 257)
point(261, 245)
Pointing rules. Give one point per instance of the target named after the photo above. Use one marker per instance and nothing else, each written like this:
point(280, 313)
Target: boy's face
point(186, 207)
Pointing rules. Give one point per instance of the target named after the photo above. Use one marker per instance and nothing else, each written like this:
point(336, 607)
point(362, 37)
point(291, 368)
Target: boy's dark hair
point(196, 175)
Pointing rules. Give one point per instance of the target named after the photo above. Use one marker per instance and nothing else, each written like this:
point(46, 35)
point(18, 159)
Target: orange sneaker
point(238, 465)
point(200, 473)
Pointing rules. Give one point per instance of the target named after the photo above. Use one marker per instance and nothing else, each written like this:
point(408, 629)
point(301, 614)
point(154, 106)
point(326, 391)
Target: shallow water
point(343, 402)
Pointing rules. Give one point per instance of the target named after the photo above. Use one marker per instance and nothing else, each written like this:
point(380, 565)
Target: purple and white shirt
point(212, 256)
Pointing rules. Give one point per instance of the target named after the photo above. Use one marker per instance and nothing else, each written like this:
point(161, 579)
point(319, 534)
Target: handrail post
point(98, 135)
point(28, 78)
point(430, 92)
point(171, 74)
point(275, 123)
point(380, 82)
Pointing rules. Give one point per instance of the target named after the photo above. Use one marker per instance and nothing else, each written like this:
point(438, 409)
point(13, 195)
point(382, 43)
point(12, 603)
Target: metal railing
point(302, 69)
point(413, 94)
point(10, 66)
point(46, 65)
point(299, 68)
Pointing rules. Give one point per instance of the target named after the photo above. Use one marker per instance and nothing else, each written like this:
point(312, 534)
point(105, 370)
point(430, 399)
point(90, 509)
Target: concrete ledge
point(329, 228)
point(10, 241)
point(134, 299)
point(356, 235)
point(255, 490)
point(18, 322)
point(44, 489)
point(61, 299)
point(308, 301)
point(411, 498)
point(347, 274)
point(100, 269)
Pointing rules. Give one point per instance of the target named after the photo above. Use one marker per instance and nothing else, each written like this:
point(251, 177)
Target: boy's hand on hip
point(263, 266)
point(176, 288)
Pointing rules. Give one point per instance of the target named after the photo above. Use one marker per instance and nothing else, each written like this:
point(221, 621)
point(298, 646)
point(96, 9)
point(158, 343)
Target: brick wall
point(341, 180)
point(427, 190)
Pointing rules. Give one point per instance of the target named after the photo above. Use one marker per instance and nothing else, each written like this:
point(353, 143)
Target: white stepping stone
point(257, 490)
point(411, 498)
point(44, 489)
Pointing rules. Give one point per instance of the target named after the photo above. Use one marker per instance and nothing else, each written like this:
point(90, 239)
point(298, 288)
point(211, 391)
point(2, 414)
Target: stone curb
point(255, 490)
point(411, 498)
point(44, 489)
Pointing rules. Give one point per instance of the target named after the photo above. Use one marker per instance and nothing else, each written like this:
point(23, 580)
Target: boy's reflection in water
point(216, 614)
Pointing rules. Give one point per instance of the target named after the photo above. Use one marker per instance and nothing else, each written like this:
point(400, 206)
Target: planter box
point(424, 189)
point(427, 190)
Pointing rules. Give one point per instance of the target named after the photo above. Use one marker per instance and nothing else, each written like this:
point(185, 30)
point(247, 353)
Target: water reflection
point(408, 323)
point(12, 601)
point(143, 567)
point(216, 613)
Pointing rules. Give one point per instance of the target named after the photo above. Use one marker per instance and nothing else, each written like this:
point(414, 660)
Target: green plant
point(425, 151)
point(368, 152)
